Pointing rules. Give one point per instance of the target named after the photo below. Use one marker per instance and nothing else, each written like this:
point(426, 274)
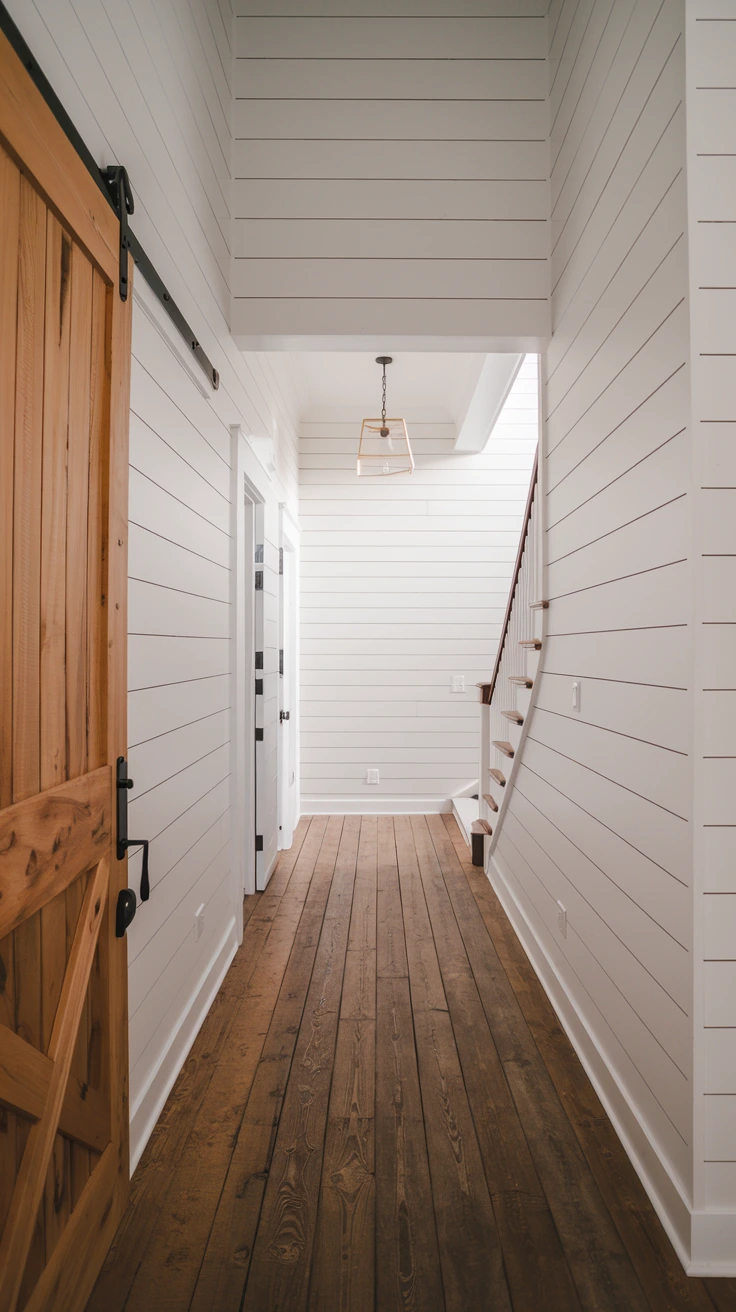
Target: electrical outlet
point(576, 694)
point(457, 683)
point(372, 777)
point(199, 923)
point(562, 919)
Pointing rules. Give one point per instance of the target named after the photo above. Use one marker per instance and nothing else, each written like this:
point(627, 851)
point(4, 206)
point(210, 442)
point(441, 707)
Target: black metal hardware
point(259, 660)
point(259, 553)
point(281, 662)
point(259, 735)
point(259, 687)
point(476, 848)
point(123, 842)
point(259, 842)
point(281, 560)
point(259, 580)
point(284, 715)
point(148, 270)
point(125, 911)
point(118, 184)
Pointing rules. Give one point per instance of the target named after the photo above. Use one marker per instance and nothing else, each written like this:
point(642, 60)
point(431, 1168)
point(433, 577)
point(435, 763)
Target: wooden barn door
point(64, 374)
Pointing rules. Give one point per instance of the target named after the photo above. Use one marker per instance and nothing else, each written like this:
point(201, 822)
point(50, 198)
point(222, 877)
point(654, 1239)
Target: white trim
point(176, 1047)
point(376, 806)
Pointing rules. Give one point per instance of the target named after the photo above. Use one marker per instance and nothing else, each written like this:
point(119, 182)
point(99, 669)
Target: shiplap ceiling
point(420, 384)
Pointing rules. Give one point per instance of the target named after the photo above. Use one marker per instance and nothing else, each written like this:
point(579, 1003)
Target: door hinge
point(259, 554)
point(259, 660)
point(259, 580)
point(259, 687)
point(119, 187)
point(281, 560)
point(284, 715)
point(259, 735)
point(259, 842)
point(281, 662)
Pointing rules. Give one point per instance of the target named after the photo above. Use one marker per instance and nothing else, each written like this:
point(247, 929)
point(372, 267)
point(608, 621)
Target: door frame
point(246, 503)
point(288, 808)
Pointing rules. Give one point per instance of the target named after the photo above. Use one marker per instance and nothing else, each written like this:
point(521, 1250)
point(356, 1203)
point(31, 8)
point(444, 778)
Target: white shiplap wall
point(390, 170)
point(711, 92)
point(150, 86)
point(600, 818)
point(404, 582)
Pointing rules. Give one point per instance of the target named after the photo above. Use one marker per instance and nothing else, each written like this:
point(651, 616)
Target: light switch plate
point(562, 919)
point(372, 777)
point(457, 683)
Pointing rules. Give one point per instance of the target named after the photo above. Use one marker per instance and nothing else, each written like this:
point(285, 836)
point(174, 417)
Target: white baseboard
point(663, 1190)
point(150, 1101)
point(375, 805)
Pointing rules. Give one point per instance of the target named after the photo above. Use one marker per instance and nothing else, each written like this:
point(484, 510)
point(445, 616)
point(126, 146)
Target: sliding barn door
point(64, 370)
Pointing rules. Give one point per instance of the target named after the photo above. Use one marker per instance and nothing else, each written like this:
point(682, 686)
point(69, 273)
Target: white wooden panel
point(366, 78)
point(720, 1060)
point(429, 240)
point(657, 715)
point(154, 559)
point(156, 711)
point(154, 508)
point(395, 199)
point(389, 159)
point(367, 38)
point(166, 611)
point(345, 278)
point(719, 998)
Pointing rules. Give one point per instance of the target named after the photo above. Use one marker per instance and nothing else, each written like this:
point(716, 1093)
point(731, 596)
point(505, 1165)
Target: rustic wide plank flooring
point(381, 1111)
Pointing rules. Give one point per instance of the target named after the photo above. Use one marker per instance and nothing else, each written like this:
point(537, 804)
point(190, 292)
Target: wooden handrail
point(517, 570)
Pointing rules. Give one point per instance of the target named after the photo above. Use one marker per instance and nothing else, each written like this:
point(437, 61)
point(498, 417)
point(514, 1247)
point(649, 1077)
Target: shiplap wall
point(150, 86)
point(404, 582)
point(390, 170)
point(601, 816)
point(711, 100)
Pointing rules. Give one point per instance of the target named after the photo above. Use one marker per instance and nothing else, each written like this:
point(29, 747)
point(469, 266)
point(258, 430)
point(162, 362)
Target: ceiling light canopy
point(384, 443)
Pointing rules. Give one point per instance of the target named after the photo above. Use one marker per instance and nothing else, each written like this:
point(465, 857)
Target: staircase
point(507, 699)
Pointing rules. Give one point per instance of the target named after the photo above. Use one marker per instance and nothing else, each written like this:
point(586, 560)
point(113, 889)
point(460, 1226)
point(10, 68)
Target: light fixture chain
point(383, 411)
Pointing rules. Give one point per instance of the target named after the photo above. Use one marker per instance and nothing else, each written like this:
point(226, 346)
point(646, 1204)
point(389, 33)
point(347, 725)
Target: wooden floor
point(381, 1112)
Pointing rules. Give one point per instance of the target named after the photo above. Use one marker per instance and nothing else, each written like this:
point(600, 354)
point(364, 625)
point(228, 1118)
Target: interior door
point(287, 700)
point(64, 399)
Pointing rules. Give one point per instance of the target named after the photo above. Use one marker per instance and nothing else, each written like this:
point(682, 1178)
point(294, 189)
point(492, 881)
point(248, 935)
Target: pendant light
point(384, 443)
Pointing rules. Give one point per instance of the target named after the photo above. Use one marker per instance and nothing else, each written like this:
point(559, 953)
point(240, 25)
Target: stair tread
point(531, 644)
point(498, 776)
point(514, 716)
point(521, 680)
point(480, 827)
point(490, 801)
point(503, 746)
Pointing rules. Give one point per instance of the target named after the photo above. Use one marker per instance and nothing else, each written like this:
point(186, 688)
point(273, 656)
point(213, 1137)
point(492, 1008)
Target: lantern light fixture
point(384, 446)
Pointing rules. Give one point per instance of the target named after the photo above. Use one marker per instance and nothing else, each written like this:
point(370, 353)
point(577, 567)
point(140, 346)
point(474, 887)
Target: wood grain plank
point(343, 1262)
point(390, 948)
point(598, 1260)
point(25, 1076)
point(170, 1264)
point(280, 1265)
point(46, 840)
point(536, 1268)
point(10, 227)
point(470, 1252)
point(152, 1179)
point(80, 381)
point(57, 339)
point(658, 1270)
point(408, 1274)
point(27, 492)
point(226, 1261)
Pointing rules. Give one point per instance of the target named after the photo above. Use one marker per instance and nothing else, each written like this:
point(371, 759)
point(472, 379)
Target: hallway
point(381, 1111)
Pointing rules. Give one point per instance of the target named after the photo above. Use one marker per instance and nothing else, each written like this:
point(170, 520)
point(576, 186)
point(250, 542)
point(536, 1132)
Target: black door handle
point(126, 907)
